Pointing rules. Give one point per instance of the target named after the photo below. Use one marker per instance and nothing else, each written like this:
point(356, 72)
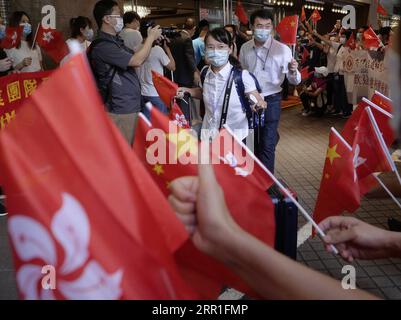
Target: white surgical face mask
point(394, 84)
point(262, 35)
point(119, 23)
point(343, 40)
point(88, 34)
point(217, 58)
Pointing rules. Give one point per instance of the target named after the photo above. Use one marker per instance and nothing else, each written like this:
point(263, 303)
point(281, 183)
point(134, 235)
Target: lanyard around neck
point(267, 55)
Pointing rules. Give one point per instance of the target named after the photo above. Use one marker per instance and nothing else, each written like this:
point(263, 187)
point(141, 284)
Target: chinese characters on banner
point(365, 73)
point(14, 89)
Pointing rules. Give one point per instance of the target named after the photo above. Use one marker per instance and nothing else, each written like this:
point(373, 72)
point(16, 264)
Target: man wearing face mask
point(113, 67)
point(270, 61)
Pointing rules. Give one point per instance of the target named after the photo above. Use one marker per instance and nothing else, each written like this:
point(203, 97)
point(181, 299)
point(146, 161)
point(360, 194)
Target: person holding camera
point(160, 56)
point(113, 66)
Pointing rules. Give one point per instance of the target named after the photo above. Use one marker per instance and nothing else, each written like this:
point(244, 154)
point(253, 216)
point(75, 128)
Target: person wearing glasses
point(113, 66)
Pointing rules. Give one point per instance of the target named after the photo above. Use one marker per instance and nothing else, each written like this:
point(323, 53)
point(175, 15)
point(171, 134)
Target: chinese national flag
point(370, 152)
point(82, 201)
point(382, 118)
point(371, 40)
point(303, 14)
point(53, 43)
point(166, 89)
point(305, 55)
point(12, 38)
point(315, 17)
point(381, 10)
point(241, 13)
point(351, 43)
point(287, 28)
point(339, 191)
point(252, 209)
point(382, 101)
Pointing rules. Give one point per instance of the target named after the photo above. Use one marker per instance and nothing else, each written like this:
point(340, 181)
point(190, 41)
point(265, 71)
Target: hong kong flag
point(339, 191)
point(74, 203)
point(382, 118)
point(253, 209)
point(12, 38)
point(53, 43)
point(382, 101)
point(351, 43)
point(370, 152)
point(381, 10)
point(287, 28)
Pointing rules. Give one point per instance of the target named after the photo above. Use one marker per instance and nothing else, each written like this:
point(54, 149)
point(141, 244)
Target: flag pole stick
point(387, 190)
point(36, 34)
point(293, 51)
point(280, 185)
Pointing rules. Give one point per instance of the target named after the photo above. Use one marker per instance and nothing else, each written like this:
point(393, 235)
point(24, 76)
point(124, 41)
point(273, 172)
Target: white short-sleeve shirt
point(19, 54)
point(214, 88)
point(156, 61)
point(269, 63)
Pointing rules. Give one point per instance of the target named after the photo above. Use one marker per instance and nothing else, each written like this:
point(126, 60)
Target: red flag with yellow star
point(338, 191)
point(172, 152)
point(315, 17)
point(382, 101)
point(287, 28)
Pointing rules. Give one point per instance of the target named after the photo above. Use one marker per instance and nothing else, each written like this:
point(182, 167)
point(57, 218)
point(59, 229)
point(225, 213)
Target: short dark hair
point(77, 23)
point(347, 33)
point(385, 31)
point(203, 24)
point(130, 16)
point(223, 36)
point(263, 14)
point(103, 8)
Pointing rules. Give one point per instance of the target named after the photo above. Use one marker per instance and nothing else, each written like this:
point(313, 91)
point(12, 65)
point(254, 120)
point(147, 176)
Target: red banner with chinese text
point(14, 90)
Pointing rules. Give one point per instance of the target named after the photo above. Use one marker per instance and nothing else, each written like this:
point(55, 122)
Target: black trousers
point(340, 99)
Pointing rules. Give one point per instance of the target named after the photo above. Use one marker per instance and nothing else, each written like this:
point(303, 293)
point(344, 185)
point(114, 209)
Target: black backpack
point(253, 118)
point(105, 91)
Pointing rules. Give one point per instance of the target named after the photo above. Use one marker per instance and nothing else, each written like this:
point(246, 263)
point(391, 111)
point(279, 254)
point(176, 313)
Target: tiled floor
point(300, 159)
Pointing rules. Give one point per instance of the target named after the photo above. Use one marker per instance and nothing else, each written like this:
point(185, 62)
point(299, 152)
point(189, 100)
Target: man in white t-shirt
point(159, 58)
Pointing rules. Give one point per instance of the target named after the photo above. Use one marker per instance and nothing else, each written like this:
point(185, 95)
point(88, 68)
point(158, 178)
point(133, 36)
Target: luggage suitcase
point(286, 215)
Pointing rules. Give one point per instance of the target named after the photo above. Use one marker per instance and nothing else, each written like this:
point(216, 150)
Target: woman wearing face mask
point(217, 78)
point(25, 59)
point(81, 31)
point(5, 63)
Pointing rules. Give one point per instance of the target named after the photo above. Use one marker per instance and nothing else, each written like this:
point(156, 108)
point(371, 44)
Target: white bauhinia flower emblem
point(358, 161)
point(180, 120)
point(70, 227)
point(14, 38)
point(232, 161)
point(48, 36)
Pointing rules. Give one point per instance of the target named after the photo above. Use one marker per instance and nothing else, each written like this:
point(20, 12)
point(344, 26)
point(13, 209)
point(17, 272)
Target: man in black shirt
point(113, 66)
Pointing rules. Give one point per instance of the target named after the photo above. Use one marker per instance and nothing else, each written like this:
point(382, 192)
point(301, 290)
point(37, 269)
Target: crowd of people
point(326, 54)
point(239, 79)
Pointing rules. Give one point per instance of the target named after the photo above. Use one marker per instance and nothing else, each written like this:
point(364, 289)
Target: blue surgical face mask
point(262, 35)
point(27, 29)
point(217, 58)
point(2, 31)
point(88, 34)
